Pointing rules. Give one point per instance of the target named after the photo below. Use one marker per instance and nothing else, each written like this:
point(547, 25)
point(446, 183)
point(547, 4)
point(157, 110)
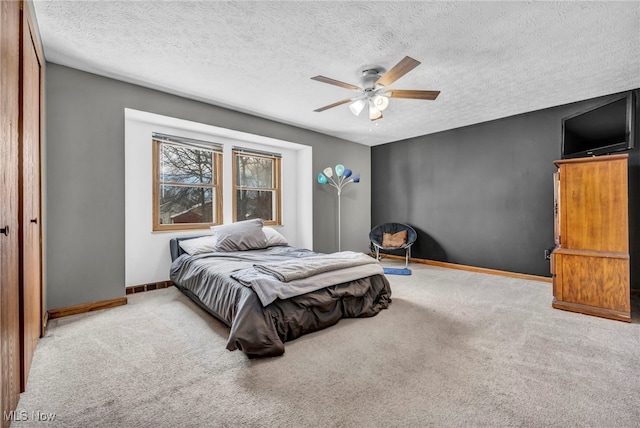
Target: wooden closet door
point(31, 284)
point(9, 272)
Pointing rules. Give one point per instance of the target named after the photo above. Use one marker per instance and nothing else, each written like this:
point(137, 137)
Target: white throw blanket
point(305, 267)
point(269, 288)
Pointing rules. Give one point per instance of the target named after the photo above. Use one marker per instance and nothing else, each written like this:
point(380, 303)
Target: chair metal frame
point(376, 234)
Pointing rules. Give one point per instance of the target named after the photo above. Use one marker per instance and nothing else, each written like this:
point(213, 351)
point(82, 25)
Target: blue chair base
point(396, 271)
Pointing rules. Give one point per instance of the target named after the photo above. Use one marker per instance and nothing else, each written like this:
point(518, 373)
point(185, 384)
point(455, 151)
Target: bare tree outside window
point(186, 186)
point(257, 187)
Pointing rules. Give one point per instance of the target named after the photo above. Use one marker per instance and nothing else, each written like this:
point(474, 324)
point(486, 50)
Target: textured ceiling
point(488, 59)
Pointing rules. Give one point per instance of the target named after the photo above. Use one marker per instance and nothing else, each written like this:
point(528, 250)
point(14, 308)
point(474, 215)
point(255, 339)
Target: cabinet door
point(594, 206)
point(599, 282)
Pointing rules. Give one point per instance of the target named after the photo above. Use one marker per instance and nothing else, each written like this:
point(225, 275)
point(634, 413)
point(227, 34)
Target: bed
point(255, 285)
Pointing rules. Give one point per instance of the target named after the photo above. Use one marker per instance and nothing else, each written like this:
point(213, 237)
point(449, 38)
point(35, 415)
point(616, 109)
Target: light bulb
point(328, 172)
point(339, 170)
point(374, 112)
point(381, 102)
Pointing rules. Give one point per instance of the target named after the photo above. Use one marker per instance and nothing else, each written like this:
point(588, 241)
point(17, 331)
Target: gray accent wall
point(84, 181)
point(482, 195)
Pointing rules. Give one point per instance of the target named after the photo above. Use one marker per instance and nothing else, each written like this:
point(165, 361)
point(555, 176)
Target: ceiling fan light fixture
point(374, 112)
point(381, 102)
point(357, 106)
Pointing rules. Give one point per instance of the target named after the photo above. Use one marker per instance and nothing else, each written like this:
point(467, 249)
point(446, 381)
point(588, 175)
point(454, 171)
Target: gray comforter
point(260, 330)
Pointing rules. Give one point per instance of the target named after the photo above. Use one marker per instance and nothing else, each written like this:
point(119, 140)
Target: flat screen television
point(604, 129)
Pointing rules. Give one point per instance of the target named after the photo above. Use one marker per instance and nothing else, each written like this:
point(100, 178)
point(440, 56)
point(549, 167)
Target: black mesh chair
point(377, 234)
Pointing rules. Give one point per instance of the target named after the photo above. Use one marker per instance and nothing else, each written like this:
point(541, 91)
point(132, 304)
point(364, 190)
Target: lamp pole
point(339, 222)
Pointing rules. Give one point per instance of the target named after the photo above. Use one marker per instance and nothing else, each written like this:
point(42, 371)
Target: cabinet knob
point(34, 220)
point(5, 231)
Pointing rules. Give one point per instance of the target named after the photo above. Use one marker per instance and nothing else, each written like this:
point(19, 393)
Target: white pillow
point(240, 236)
point(205, 244)
point(274, 237)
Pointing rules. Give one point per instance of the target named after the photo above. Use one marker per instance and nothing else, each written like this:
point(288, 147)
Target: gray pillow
point(240, 236)
point(205, 244)
point(274, 237)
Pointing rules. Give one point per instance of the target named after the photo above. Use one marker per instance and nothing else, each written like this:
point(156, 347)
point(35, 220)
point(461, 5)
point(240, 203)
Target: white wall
point(147, 256)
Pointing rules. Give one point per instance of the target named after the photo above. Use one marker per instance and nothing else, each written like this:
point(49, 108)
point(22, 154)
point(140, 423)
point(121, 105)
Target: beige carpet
point(455, 349)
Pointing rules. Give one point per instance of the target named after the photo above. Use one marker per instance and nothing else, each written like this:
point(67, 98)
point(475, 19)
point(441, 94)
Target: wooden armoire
point(21, 280)
point(590, 263)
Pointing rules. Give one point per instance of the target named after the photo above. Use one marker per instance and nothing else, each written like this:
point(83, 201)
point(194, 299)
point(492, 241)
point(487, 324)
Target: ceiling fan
point(374, 92)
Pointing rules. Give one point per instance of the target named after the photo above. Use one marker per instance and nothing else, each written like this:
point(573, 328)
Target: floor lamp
point(342, 178)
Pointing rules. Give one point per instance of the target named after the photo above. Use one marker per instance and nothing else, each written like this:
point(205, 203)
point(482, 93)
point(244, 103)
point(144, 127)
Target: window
point(187, 183)
point(256, 186)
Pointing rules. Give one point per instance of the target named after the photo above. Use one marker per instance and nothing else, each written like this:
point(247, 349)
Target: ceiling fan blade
point(333, 105)
point(413, 94)
point(337, 83)
point(405, 65)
